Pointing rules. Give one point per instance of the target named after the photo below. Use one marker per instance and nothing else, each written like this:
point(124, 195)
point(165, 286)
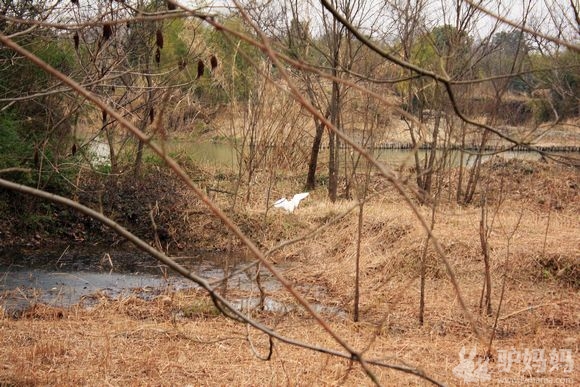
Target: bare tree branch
point(520, 27)
point(389, 175)
point(184, 177)
point(221, 303)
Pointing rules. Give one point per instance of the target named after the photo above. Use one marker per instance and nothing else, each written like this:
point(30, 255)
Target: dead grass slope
point(178, 339)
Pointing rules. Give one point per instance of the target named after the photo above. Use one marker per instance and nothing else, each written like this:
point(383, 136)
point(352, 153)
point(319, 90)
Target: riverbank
point(164, 213)
point(180, 338)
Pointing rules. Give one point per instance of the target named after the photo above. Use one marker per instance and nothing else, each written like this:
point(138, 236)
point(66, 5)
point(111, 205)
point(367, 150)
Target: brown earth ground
point(181, 339)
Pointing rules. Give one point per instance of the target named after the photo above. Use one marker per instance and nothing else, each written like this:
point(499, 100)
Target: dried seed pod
point(75, 2)
point(151, 115)
point(159, 39)
point(214, 62)
point(104, 116)
point(74, 149)
point(76, 39)
point(157, 56)
point(182, 64)
point(200, 68)
point(36, 157)
point(107, 31)
point(170, 5)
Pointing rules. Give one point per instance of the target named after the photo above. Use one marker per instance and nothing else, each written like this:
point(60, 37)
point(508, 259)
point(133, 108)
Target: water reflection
point(22, 287)
point(225, 154)
point(398, 158)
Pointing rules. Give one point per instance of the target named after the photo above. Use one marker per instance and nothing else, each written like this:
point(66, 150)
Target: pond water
point(396, 158)
point(219, 154)
point(209, 153)
point(225, 154)
point(74, 277)
point(66, 279)
point(21, 288)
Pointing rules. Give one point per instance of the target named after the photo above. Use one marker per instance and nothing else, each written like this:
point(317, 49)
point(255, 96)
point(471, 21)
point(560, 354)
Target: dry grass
point(134, 342)
point(179, 339)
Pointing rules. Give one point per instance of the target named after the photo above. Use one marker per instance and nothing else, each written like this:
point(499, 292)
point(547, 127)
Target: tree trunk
point(147, 115)
point(430, 168)
point(311, 179)
point(332, 184)
point(333, 141)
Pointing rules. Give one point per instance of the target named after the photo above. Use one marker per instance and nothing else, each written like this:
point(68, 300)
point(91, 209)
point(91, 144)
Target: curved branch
point(73, 27)
point(388, 174)
point(221, 303)
point(171, 163)
point(447, 83)
point(571, 46)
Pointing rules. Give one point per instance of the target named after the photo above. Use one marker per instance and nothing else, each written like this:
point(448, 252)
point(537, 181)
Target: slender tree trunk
point(315, 151)
point(475, 170)
point(331, 169)
point(251, 159)
point(423, 269)
point(147, 115)
point(333, 141)
point(139, 155)
point(461, 166)
point(112, 154)
point(357, 263)
point(483, 234)
point(430, 168)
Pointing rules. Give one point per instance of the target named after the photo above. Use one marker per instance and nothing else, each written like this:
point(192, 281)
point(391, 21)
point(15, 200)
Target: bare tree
point(323, 76)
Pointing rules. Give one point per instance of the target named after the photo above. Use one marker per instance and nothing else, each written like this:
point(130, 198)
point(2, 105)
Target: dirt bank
point(164, 212)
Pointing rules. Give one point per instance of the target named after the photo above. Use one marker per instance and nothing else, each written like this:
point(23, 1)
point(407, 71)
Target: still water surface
point(67, 279)
point(224, 154)
point(23, 285)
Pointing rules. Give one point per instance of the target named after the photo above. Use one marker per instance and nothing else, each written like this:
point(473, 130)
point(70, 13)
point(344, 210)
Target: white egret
point(290, 205)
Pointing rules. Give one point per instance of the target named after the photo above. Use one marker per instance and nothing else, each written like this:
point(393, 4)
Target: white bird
point(290, 205)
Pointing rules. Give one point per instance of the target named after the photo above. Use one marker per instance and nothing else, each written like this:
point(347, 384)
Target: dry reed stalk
point(111, 343)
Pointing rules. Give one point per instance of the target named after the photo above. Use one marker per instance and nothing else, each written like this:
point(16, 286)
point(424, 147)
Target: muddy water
point(22, 288)
point(64, 278)
point(67, 277)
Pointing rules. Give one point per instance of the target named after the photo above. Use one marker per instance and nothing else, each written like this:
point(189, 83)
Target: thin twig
point(221, 303)
point(171, 163)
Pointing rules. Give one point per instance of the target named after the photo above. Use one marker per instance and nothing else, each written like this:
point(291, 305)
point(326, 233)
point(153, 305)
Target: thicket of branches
point(128, 74)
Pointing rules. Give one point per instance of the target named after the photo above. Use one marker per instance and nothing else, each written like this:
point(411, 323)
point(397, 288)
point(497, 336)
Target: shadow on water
point(72, 277)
